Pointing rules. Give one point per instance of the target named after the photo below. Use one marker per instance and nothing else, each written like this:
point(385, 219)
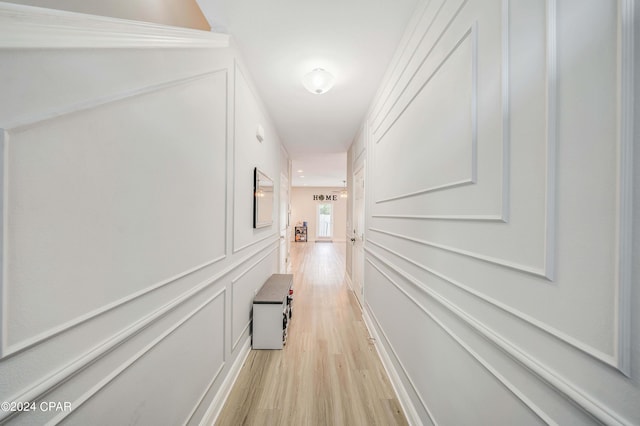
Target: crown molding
point(28, 27)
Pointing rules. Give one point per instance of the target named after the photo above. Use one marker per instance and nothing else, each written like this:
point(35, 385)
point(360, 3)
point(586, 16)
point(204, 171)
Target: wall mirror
point(262, 199)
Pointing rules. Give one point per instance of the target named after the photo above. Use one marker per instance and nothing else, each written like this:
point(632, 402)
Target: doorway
point(284, 225)
point(325, 222)
point(358, 234)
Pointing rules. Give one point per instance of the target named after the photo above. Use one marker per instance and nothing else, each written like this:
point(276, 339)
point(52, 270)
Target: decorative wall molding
point(546, 374)
point(551, 100)
point(214, 379)
point(11, 350)
point(234, 281)
point(619, 284)
point(505, 93)
point(28, 27)
point(4, 239)
point(378, 101)
point(376, 330)
point(25, 123)
point(216, 406)
point(489, 259)
point(132, 360)
point(428, 190)
point(548, 270)
point(237, 69)
point(506, 113)
point(274, 236)
point(626, 65)
point(486, 365)
point(527, 319)
point(462, 218)
point(41, 389)
point(105, 347)
point(471, 33)
point(377, 126)
point(29, 122)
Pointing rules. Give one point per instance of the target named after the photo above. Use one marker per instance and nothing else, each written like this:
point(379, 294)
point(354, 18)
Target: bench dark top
point(275, 289)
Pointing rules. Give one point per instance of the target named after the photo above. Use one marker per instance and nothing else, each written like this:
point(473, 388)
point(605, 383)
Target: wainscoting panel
point(244, 287)
point(117, 166)
point(180, 347)
point(453, 81)
point(469, 181)
point(117, 291)
point(498, 271)
point(249, 152)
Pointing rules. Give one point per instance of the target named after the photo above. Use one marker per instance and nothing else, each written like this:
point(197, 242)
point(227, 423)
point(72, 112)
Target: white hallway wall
point(501, 233)
point(129, 259)
point(305, 208)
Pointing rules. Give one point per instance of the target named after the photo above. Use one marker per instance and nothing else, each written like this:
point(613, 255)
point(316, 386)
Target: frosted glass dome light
point(318, 81)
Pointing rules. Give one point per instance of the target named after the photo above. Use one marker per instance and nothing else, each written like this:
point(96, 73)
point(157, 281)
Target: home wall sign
point(323, 197)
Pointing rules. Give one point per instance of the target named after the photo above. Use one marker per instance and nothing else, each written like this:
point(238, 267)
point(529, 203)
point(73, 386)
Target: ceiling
point(320, 170)
point(282, 40)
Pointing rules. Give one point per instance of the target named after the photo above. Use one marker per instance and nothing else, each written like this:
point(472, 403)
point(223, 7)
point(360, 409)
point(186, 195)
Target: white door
point(324, 227)
point(357, 239)
point(284, 224)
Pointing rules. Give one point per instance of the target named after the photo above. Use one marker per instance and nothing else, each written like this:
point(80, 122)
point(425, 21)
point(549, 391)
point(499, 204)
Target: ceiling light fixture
point(318, 81)
point(344, 193)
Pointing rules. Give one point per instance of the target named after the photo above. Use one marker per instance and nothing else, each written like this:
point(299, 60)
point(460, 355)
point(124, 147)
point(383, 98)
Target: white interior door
point(357, 239)
point(324, 227)
point(284, 224)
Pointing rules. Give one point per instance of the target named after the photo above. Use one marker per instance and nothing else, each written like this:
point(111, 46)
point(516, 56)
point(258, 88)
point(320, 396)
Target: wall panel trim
point(505, 93)
point(233, 283)
point(217, 374)
point(419, 66)
point(379, 330)
point(4, 238)
point(30, 122)
point(378, 101)
point(463, 218)
point(25, 123)
point(100, 350)
point(625, 196)
point(272, 236)
point(237, 70)
point(472, 33)
point(28, 27)
point(546, 374)
point(140, 354)
point(216, 406)
point(506, 113)
point(40, 390)
point(551, 100)
point(486, 365)
point(489, 259)
point(589, 350)
point(16, 348)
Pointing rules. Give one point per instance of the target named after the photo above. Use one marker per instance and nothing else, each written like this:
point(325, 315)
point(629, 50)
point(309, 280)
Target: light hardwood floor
point(329, 372)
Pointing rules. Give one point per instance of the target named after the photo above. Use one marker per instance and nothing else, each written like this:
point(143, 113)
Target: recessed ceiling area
point(282, 41)
point(320, 170)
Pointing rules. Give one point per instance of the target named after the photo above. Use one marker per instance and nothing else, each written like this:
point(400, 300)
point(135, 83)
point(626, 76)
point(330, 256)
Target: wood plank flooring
point(329, 372)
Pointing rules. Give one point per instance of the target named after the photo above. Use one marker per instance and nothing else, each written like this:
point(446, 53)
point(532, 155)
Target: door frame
point(317, 236)
point(358, 235)
point(284, 225)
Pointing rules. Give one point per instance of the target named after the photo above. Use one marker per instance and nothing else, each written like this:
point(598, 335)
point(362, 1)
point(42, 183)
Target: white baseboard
point(403, 397)
point(347, 278)
point(212, 413)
